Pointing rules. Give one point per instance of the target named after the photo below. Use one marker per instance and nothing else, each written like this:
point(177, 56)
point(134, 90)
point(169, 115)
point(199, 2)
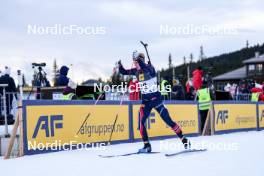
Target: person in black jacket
point(63, 80)
point(10, 89)
point(177, 92)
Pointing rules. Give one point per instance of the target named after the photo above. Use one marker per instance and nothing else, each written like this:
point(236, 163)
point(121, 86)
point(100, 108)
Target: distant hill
point(217, 64)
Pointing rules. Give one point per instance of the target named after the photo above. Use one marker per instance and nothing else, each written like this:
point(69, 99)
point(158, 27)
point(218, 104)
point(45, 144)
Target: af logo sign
point(222, 116)
point(48, 125)
point(150, 120)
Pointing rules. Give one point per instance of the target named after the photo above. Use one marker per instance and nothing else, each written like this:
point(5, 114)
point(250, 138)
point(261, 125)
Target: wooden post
point(209, 123)
point(206, 125)
point(14, 132)
point(21, 134)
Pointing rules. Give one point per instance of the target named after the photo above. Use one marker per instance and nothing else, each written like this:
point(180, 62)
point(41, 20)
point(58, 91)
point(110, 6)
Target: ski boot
point(145, 149)
point(186, 143)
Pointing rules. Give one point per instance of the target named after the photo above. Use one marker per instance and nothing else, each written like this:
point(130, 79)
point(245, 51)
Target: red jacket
point(134, 90)
point(188, 87)
point(197, 79)
point(261, 95)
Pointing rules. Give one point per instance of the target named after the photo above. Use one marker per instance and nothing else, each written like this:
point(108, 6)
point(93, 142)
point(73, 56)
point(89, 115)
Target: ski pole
point(122, 98)
point(145, 46)
point(121, 101)
point(86, 118)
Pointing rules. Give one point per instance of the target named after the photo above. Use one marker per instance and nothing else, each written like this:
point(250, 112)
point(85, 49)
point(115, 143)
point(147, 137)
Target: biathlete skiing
point(151, 98)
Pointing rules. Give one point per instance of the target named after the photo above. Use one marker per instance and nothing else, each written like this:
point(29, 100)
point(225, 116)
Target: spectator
point(197, 78)
point(188, 85)
point(1, 99)
point(177, 92)
point(165, 89)
point(133, 89)
point(69, 91)
point(190, 90)
point(233, 90)
point(245, 88)
point(10, 90)
point(63, 80)
point(227, 87)
point(257, 93)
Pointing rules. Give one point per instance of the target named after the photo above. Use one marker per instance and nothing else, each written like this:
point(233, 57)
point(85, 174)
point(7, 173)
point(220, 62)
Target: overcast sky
point(118, 26)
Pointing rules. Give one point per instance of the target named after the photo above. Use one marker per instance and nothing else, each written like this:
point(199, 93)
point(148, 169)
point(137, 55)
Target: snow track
point(228, 155)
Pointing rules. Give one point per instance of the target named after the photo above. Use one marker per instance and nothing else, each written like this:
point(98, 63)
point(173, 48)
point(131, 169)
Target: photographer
point(40, 79)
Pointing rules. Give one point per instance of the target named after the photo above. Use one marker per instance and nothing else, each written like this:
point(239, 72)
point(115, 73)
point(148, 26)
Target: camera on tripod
point(39, 65)
point(39, 77)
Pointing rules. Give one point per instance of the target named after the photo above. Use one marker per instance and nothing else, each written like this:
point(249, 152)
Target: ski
point(185, 151)
point(126, 154)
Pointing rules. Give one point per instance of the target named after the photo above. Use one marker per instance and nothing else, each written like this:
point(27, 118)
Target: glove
point(149, 63)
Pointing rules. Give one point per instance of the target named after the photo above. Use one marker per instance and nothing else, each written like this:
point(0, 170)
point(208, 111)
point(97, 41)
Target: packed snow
point(228, 155)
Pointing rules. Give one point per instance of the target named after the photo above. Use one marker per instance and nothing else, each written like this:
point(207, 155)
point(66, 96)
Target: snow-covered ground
point(228, 155)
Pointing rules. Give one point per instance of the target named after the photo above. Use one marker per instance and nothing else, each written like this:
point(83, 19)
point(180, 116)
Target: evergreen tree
point(220, 64)
point(170, 61)
point(247, 44)
point(184, 60)
point(55, 72)
point(201, 56)
point(191, 58)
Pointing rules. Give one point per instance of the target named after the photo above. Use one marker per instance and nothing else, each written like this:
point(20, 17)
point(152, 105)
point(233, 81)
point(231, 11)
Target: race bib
point(148, 86)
